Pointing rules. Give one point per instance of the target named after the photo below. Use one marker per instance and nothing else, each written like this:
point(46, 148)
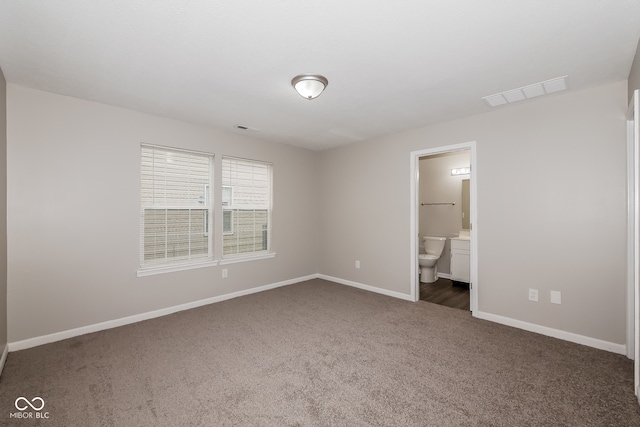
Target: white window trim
point(161, 269)
point(151, 270)
point(253, 256)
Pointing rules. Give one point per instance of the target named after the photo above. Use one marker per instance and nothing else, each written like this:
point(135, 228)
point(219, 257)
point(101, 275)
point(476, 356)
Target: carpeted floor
point(319, 354)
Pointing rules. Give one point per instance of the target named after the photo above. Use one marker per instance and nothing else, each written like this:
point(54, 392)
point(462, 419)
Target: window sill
point(245, 258)
point(150, 271)
point(161, 269)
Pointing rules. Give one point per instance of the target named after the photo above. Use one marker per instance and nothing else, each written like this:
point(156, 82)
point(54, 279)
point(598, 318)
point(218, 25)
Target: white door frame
point(633, 236)
point(415, 215)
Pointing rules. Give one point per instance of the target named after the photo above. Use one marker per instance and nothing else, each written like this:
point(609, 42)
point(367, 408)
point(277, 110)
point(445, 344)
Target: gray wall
point(551, 209)
point(73, 198)
point(3, 212)
point(634, 75)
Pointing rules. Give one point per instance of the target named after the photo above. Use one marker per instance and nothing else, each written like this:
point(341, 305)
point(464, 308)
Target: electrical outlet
point(533, 295)
point(357, 263)
point(556, 297)
point(225, 273)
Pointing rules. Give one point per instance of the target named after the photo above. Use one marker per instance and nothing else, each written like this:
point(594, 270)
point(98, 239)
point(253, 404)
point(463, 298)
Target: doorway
point(417, 205)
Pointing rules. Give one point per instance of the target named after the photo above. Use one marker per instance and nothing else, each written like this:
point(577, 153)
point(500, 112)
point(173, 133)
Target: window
point(176, 207)
point(246, 193)
point(227, 221)
point(227, 213)
point(227, 195)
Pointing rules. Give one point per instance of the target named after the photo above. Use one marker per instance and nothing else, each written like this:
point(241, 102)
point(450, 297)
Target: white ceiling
point(391, 65)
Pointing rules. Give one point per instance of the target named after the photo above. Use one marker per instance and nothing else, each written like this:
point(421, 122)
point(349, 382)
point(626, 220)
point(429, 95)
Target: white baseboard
point(3, 359)
point(444, 275)
point(555, 333)
point(58, 336)
point(531, 327)
point(366, 287)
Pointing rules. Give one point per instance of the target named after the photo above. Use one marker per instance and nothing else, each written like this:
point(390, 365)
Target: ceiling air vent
point(527, 92)
point(246, 128)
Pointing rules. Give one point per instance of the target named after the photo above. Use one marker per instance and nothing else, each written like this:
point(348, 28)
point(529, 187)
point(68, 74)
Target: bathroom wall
point(437, 185)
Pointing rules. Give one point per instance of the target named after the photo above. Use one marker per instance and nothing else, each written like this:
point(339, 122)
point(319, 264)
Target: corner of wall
point(634, 73)
point(3, 358)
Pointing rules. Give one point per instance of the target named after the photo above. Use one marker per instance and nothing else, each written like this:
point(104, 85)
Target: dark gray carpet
point(318, 354)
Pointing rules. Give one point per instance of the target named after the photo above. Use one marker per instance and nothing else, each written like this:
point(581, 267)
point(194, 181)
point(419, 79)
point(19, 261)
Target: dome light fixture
point(309, 86)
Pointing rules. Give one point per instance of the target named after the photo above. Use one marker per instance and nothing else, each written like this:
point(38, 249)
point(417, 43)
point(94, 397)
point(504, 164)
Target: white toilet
point(428, 262)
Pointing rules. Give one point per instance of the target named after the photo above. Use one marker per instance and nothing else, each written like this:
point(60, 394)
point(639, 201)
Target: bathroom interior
point(444, 228)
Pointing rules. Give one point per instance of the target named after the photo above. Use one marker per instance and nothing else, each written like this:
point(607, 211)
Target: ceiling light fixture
point(461, 171)
point(309, 86)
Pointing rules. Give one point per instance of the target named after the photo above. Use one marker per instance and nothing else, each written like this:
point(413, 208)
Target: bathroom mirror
point(466, 201)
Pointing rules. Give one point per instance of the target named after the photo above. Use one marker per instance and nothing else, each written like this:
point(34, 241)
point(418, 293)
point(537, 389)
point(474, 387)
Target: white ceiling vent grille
point(520, 94)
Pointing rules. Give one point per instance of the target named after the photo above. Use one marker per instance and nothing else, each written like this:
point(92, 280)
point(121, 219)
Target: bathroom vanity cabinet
point(461, 260)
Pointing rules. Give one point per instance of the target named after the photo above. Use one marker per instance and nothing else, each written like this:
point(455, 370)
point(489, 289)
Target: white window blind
point(247, 216)
point(176, 207)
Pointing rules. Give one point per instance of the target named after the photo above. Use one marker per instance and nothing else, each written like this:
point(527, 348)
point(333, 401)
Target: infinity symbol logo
point(33, 401)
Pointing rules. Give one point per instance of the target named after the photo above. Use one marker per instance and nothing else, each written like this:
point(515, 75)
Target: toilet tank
point(434, 245)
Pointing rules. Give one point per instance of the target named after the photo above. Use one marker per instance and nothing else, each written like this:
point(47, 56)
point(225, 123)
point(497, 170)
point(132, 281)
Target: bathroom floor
point(443, 292)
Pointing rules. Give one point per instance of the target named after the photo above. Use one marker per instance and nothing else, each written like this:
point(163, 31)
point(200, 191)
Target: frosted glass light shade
point(309, 86)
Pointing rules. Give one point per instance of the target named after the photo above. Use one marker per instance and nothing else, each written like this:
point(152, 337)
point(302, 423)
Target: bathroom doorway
point(446, 207)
